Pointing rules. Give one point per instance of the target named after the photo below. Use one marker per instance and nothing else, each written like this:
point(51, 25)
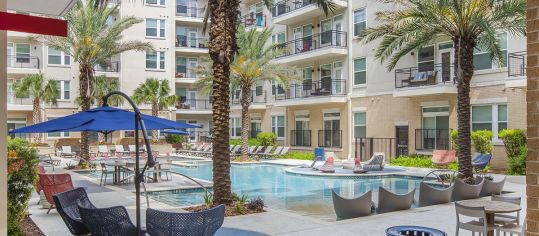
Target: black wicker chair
point(66, 205)
point(204, 223)
point(112, 221)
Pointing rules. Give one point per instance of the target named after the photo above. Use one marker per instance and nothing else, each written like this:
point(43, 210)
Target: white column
point(3, 126)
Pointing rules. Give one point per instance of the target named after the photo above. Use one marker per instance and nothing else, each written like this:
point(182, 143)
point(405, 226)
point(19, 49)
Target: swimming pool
point(305, 195)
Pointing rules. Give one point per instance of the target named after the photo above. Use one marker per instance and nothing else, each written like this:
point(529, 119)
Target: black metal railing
point(300, 138)
point(364, 148)
point(253, 19)
point(308, 88)
point(330, 138)
point(194, 104)
point(516, 64)
point(330, 38)
point(286, 6)
point(186, 11)
point(431, 139)
point(184, 72)
point(28, 62)
point(191, 42)
point(12, 99)
point(201, 136)
point(258, 96)
point(424, 76)
point(111, 66)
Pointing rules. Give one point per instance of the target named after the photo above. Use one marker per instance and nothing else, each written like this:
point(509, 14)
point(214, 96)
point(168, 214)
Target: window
point(57, 57)
point(57, 134)
point(425, 59)
point(360, 123)
point(15, 123)
point(277, 126)
point(360, 71)
point(276, 88)
point(185, 66)
point(155, 28)
point(235, 127)
point(156, 2)
point(22, 52)
point(155, 60)
point(63, 89)
point(491, 117)
point(360, 21)
point(278, 38)
point(482, 59)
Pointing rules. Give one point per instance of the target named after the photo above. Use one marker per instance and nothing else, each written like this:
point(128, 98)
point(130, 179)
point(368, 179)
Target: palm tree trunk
point(36, 118)
point(464, 72)
point(224, 15)
point(245, 119)
point(86, 73)
point(155, 112)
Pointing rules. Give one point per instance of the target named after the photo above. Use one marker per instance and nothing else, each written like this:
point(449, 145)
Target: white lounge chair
point(103, 150)
point(65, 151)
point(120, 149)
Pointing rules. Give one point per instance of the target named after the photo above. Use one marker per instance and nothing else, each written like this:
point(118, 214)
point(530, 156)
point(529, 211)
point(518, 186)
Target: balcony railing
point(200, 136)
point(27, 62)
point(253, 19)
point(330, 138)
point(194, 104)
point(424, 76)
point(364, 148)
point(12, 99)
point(286, 6)
point(308, 88)
point(516, 64)
point(431, 139)
point(184, 72)
point(300, 138)
point(330, 38)
point(186, 11)
point(258, 96)
point(190, 42)
point(112, 66)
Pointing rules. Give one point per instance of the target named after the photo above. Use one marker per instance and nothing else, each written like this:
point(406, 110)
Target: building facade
point(347, 101)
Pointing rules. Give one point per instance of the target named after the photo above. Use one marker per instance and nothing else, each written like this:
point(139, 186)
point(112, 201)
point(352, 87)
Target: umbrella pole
point(137, 174)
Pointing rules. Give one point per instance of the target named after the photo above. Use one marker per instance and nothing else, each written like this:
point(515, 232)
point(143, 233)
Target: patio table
point(491, 208)
point(119, 166)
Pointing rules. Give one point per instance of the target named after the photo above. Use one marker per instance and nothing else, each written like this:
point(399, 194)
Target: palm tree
point(157, 93)
point(252, 65)
point(470, 24)
point(224, 16)
point(91, 41)
point(40, 90)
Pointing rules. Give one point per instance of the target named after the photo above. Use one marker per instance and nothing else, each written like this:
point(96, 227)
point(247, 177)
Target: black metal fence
point(17, 61)
point(300, 138)
point(183, 72)
point(309, 88)
point(330, 38)
point(424, 76)
point(110, 66)
point(194, 104)
point(286, 6)
point(431, 139)
point(253, 19)
point(364, 148)
point(258, 96)
point(516, 64)
point(330, 138)
point(191, 42)
point(186, 11)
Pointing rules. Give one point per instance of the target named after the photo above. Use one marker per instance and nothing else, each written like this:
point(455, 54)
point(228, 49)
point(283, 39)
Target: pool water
point(305, 195)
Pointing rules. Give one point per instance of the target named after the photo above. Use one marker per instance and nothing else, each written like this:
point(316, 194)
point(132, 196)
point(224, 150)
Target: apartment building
point(347, 101)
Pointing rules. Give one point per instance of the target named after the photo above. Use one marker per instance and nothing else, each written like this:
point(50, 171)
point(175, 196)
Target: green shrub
point(454, 137)
point(266, 139)
point(414, 160)
point(517, 165)
point(173, 138)
point(251, 141)
point(298, 156)
point(482, 141)
point(22, 175)
point(514, 140)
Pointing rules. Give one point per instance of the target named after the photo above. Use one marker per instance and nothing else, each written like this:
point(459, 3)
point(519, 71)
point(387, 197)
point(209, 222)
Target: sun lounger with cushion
point(65, 151)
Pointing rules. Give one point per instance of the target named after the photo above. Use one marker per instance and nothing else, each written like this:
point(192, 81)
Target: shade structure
point(175, 131)
point(102, 119)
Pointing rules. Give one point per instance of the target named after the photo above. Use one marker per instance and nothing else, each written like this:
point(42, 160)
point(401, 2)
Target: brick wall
point(532, 96)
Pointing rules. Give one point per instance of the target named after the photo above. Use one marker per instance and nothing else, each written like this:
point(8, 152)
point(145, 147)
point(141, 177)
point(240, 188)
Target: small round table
point(491, 208)
point(413, 230)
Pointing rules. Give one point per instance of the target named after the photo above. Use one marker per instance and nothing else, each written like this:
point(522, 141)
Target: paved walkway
point(272, 222)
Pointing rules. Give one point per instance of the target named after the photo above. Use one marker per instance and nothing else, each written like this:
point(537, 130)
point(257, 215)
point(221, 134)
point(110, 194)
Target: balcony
point(257, 20)
point(108, 68)
point(258, 99)
point(191, 45)
point(313, 92)
point(18, 104)
point(435, 79)
point(300, 138)
point(194, 106)
point(22, 64)
point(516, 70)
point(290, 12)
point(330, 138)
point(432, 139)
point(325, 45)
point(185, 75)
point(189, 15)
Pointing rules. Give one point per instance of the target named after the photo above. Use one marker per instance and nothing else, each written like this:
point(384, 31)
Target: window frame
point(364, 9)
point(160, 3)
point(364, 125)
point(495, 119)
point(65, 134)
point(62, 89)
point(365, 70)
point(63, 56)
point(275, 126)
point(159, 60)
point(493, 64)
point(160, 28)
point(235, 125)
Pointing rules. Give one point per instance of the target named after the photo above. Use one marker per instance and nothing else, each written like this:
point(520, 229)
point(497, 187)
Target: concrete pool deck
point(272, 222)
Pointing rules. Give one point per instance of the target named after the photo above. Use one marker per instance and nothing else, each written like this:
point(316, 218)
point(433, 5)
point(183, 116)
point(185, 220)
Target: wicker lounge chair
point(54, 183)
point(388, 201)
point(107, 221)
point(66, 205)
point(491, 187)
point(463, 191)
point(376, 163)
point(346, 208)
point(507, 219)
point(203, 223)
point(429, 195)
point(443, 158)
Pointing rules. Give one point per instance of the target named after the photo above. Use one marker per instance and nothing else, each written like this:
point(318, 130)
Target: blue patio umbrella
point(175, 131)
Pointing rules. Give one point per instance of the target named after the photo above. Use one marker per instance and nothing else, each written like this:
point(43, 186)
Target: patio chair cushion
point(203, 223)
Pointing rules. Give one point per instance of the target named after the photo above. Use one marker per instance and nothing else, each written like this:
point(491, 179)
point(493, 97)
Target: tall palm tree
point(224, 16)
point(91, 41)
point(251, 65)
point(157, 93)
point(470, 24)
point(40, 90)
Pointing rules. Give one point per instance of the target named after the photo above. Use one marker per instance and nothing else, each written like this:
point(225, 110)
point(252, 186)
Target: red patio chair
point(52, 184)
point(443, 157)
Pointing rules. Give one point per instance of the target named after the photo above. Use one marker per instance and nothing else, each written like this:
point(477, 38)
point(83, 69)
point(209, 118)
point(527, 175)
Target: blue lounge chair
point(480, 160)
